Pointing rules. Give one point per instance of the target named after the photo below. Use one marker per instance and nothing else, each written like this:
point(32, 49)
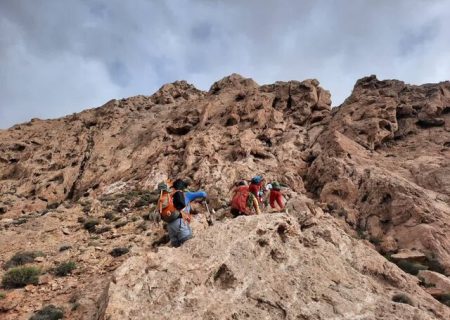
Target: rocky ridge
point(369, 193)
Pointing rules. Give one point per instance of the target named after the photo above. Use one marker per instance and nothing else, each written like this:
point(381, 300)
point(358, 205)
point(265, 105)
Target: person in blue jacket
point(179, 229)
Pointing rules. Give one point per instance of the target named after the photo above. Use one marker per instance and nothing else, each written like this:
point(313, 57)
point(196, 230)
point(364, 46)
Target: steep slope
point(375, 168)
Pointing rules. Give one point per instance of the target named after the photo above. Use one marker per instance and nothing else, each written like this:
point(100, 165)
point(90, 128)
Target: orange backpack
point(168, 210)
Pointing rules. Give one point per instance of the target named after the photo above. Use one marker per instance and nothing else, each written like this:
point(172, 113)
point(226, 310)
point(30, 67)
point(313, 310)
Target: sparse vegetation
point(75, 306)
point(90, 224)
point(445, 299)
point(361, 233)
point(120, 224)
point(2, 295)
point(52, 206)
point(140, 203)
point(20, 221)
point(146, 198)
point(107, 198)
point(86, 209)
point(109, 215)
point(86, 206)
point(21, 258)
point(20, 277)
point(424, 284)
point(402, 298)
point(122, 205)
point(434, 265)
point(65, 268)
point(411, 267)
point(48, 313)
point(142, 226)
point(117, 252)
point(64, 248)
point(102, 229)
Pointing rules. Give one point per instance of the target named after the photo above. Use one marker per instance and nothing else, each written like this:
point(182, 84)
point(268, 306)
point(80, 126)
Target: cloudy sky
point(59, 57)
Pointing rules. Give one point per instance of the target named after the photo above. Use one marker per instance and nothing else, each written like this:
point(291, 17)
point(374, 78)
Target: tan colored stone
point(437, 280)
point(39, 259)
point(12, 300)
point(231, 268)
point(409, 255)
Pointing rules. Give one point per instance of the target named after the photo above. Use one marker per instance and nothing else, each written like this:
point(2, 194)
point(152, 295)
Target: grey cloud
point(59, 57)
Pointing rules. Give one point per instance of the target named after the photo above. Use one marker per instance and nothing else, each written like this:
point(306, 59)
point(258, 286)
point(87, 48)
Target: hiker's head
point(257, 179)
point(241, 183)
point(276, 185)
point(179, 184)
point(163, 187)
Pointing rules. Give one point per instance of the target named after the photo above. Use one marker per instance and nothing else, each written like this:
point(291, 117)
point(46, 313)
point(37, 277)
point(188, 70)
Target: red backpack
point(239, 201)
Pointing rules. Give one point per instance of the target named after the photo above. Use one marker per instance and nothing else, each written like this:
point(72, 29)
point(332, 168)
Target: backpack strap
point(160, 201)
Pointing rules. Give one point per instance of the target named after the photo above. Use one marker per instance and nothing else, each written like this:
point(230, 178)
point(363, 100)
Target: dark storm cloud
point(59, 57)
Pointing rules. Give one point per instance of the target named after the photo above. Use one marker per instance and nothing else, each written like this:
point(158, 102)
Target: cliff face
point(370, 175)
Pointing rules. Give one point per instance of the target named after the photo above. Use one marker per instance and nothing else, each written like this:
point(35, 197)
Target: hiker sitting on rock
point(243, 201)
point(276, 195)
point(174, 208)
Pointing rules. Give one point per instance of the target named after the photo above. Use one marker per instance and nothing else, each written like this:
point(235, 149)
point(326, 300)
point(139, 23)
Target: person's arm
point(191, 196)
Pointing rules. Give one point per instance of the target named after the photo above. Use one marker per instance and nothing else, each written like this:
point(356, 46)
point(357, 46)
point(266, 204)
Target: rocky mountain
point(365, 236)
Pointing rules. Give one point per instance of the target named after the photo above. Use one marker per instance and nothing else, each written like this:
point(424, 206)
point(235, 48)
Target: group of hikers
point(174, 204)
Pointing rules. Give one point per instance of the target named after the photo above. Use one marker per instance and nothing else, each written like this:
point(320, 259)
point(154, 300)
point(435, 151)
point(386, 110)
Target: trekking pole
point(208, 216)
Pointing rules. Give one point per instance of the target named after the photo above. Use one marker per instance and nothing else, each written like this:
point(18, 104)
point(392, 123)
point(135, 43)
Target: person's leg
point(172, 229)
point(272, 199)
point(184, 232)
point(279, 200)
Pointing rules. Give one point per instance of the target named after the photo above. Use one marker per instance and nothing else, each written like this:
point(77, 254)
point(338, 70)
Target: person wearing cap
point(275, 195)
point(256, 187)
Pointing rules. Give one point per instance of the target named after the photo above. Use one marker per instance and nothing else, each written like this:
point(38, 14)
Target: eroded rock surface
point(265, 267)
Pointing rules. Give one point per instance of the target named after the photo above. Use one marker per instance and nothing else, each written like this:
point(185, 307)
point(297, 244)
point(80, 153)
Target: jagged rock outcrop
point(400, 189)
point(370, 175)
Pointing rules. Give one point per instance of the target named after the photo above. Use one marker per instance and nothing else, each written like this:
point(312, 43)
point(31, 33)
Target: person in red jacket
point(256, 187)
point(275, 196)
point(243, 201)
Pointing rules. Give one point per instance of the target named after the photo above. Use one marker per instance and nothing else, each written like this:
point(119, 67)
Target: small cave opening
point(385, 125)
point(179, 131)
point(317, 119)
point(265, 139)
point(240, 96)
point(260, 155)
point(275, 102)
point(431, 122)
point(446, 110)
point(387, 198)
point(231, 121)
point(18, 147)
